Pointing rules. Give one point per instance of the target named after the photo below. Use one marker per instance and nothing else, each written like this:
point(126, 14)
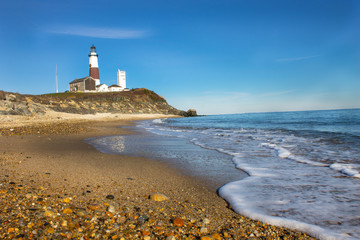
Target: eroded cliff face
point(135, 101)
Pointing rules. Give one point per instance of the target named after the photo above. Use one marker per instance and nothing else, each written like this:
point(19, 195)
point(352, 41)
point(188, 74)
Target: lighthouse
point(93, 65)
point(91, 83)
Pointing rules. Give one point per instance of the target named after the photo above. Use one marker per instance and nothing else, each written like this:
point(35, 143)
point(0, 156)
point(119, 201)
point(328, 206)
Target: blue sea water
point(303, 167)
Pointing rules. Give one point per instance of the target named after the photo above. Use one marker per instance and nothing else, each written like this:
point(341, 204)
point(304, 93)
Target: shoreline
point(75, 183)
point(178, 153)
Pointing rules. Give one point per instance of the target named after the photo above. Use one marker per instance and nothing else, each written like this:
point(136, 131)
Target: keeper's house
point(83, 84)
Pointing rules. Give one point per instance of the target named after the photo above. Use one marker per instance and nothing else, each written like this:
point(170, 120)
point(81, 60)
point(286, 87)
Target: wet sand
point(54, 185)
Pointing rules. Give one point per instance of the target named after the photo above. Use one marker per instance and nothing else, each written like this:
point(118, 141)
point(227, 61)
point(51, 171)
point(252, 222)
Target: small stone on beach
point(111, 209)
point(67, 211)
point(94, 207)
point(206, 221)
point(158, 197)
point(110, 197)
point(178, 222)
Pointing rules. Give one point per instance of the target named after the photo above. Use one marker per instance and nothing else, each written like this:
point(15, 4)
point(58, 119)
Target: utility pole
point(57, 90)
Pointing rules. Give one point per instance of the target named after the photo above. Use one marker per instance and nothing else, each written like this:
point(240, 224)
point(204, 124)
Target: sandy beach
point(55, 186)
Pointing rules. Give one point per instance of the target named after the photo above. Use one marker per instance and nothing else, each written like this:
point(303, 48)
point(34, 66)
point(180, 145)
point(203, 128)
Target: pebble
point(80, 213)
point(110, 197)
point(216, 236)
point(158, 197)
point(109, 214)
point(206, 221)
point(111, 209)
point(94, 207)
point(49, 214)
point(67, 211)
point(178, 222)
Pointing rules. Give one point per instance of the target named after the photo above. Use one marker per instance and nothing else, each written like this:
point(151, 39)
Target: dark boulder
point(191, 113)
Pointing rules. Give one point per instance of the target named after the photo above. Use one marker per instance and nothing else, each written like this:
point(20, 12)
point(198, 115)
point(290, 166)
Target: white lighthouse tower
point(93, 65)
point(121, 79)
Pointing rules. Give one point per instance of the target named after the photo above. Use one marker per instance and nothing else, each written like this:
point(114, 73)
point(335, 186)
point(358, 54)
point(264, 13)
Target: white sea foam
point(159, 120)
point(282, 152)
point(348, 169)
point(233, 193)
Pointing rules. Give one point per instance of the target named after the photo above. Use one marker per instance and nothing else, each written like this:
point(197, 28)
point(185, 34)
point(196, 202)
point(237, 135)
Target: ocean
point(299, 170)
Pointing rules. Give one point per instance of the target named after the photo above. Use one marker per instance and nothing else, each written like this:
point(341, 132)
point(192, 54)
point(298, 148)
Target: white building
point(115, 88)
point(121, 79)
point(102, 88)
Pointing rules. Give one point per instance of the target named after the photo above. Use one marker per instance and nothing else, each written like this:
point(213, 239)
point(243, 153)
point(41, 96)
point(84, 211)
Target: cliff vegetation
point(139, 100)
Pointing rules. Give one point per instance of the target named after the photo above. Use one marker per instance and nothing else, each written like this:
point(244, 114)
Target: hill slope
point(135, 101)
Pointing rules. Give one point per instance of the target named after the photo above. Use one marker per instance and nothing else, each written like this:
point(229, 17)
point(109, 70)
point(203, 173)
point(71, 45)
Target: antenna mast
point(57, 90)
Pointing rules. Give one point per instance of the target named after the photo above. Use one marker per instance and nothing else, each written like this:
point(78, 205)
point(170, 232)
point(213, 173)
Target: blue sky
point(215, 56)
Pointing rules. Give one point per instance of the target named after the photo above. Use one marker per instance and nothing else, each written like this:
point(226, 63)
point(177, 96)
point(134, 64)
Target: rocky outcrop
point(191, 113)
point(135, 101)
point(15, 104)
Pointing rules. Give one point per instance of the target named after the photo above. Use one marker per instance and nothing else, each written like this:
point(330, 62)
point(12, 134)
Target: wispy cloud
point(238, 94)
point(296, 58)
point(99, 32)
point(271, 94)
